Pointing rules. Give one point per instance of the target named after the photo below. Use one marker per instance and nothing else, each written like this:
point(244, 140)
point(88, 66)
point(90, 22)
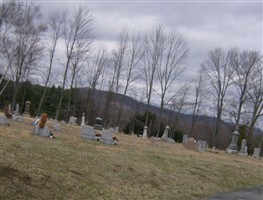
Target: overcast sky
point(204, 24)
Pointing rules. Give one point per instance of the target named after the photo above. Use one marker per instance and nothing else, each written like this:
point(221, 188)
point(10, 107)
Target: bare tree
point(134, 55)
point(199, 89)
point(77, 30)
point(219, 73)
point(7, 8)
point(95, 70)
point(255, 94)
point(177, 104)
point(55, 23)
point(22, 42)
point(170, 68)
point(118, 62)
point(153, 48)
point(244, 64)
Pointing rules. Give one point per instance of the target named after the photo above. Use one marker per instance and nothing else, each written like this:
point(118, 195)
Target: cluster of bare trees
point(236, 89)
point(230, 83)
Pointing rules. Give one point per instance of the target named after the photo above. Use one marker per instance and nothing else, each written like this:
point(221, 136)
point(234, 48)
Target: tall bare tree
point(22, 42)
point(153, 47)
point(55, 24)
point(199, 98)
point(118, 62)
point(219, 73)
point(255, 94)
point(94, 71)
point(170, 68)
point(7, 8)
point(77, 29)
point(81, 54)
point(245, 65)
point(134, 55)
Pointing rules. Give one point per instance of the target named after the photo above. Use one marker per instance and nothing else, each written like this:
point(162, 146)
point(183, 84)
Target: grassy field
point(69, 167)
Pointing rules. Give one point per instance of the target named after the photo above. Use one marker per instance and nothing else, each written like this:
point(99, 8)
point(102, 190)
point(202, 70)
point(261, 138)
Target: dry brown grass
point(69, 167)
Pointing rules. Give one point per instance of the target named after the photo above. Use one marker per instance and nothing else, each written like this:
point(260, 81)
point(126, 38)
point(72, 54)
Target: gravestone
point(232, 148)
point(106, 137)
point(202, 144)
point(9, 108)
point(185, 138)
point(63, 122)
point(72, 121)
point(3, 120)
point(170, 140)
point(83, 120)
point(243, 149)
point(56, 127)
point(19, 118)
point(191, 139)
point(27, 109)
point(165, 134)
point(43, 132)
point(144, 135)
point(98, 123)
point(87, 132)
point(116, 129)
point(191, 145)
point(256, 153)
point(17, 109)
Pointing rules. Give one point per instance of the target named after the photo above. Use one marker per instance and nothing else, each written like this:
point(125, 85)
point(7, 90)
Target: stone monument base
point(231, 151)
point(242, 154)
point(26, 114)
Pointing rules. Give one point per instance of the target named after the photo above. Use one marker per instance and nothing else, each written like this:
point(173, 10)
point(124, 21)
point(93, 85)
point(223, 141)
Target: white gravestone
point(144, 135)
point(185, 138)
point(256, 153)
point(83, 120)
point(17, 109)
point(72, 121)
point(243, 149)
point(165, 134)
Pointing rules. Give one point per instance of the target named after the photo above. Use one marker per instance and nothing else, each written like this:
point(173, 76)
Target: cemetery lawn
point(69, 167)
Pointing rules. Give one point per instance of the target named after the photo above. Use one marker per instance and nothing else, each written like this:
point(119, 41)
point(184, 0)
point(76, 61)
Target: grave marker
point(106, 137)
point(144, 135)
point(72, 121)
point(87, 132)
point(243, 149)
point(202, 144)
point(232, 148)
point(3, 120)
point(185, 138)
point(194, 146)
point(83, 120)
point(256, 153)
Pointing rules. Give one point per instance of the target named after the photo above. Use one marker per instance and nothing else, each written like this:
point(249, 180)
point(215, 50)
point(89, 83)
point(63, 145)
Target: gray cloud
point(205, 25)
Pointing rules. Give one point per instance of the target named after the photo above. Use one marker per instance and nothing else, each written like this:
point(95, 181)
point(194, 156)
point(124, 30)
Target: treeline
point(143, 65)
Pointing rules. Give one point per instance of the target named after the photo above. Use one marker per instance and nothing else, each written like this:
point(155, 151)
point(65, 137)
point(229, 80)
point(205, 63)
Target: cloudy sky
point(204, 24)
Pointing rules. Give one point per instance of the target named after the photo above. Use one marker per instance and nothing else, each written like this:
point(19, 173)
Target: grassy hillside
point(69, 167)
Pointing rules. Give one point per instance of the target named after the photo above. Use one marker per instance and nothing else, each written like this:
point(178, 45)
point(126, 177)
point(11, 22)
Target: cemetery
point(155, 164)
point(131, 100)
